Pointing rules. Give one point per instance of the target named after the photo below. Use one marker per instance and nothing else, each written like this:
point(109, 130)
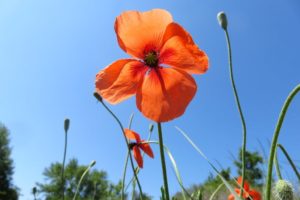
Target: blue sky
point(50, 52)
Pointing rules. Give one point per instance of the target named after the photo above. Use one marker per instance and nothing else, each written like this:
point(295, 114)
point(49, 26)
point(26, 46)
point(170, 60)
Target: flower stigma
point(151, 59)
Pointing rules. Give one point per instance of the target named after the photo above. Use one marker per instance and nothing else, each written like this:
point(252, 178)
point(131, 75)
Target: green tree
point(7, 190)
point(94, 186)
point(254, 172)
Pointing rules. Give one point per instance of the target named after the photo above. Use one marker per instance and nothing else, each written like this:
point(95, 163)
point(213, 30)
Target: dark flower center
point(132, 144)
point(151, 59)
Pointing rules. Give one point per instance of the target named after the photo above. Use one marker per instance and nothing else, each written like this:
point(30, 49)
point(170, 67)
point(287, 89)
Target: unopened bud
point(151, 126)
point(93, 163)
point(97, 96)
point(283, 190)
point(34, 190)
point(222, 20)
point(67, 125)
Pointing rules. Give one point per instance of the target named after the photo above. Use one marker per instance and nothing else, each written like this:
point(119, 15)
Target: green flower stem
point(124, 175)
point(126, 162)
point(275, 138)
point(66, 127)
point(290, 160)
point(99, 98)
point(82, 177)
point(216, 191)
point(163, 162)
point(239, 109)
point(277, 166)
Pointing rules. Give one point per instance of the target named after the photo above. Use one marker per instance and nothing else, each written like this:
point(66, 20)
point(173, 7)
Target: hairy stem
point(239, 109)
point(99, 98)
point(275, 139)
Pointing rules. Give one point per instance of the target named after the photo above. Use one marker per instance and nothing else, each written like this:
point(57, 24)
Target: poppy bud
point(97, 96)
point(283, 190)
point(222, 20)
point(34, 190)
point(66, 124)
point(93, 163)
point(151, 126)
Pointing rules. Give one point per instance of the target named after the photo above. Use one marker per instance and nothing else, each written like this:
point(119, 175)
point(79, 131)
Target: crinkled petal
point(138, 32)
point(180, 51)
point(147, 149)
point(165, 93)
point(119, 80)
point(132, 135)
point(137, 156)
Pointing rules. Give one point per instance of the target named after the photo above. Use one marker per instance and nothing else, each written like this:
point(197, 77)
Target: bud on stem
point(222, 20)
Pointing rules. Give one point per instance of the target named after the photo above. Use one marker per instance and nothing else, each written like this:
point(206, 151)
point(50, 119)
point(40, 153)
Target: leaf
point(210, 163)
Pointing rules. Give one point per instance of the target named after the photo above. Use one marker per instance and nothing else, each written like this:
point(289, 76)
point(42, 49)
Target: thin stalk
point(163, 162)
point(133, 191)
point(82, 177)
point(239, 109)
point(95, 192)
point(277, 167)
point(99, 98)
point(178, 176)
point(124, 175)
point(290, 160)
point(275, 139)
point(66, 128)
point(216, 191)
point(126, 161)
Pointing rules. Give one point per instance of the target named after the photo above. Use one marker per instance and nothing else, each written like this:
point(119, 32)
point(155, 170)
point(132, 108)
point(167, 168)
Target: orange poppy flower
point(247, 193)
point(163, 57)
point(137, 145)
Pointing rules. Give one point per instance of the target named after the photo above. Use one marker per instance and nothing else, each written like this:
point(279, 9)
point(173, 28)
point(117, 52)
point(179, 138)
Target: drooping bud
point(67, 125)
point(97, 96)
point(222, 20)
point(283, 190)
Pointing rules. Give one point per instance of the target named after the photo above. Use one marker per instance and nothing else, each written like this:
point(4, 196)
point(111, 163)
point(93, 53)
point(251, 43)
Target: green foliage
point(254, 172)
point(7, 190)
point(205, 190)
point(94, 186)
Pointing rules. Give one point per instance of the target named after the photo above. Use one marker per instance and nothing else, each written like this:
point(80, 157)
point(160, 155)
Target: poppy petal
point(147, 149)
point(246, 184)
point(132, 135)
point(255, 195)
point(137, 31)
point(231, 197)
point(165, 93)
point(119, 80)
point(181, 52)
point(137, 156)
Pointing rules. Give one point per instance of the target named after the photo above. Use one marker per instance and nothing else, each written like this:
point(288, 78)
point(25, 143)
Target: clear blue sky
point(51, 50)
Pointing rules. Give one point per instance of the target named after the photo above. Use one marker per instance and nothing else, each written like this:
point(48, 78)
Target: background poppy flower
point(247, 193)
point(137, 145)
point(154, 41)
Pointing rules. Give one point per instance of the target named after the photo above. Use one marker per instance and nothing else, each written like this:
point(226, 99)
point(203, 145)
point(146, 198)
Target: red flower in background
point(247, 193)
point(163, 57)
point(137, 145)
